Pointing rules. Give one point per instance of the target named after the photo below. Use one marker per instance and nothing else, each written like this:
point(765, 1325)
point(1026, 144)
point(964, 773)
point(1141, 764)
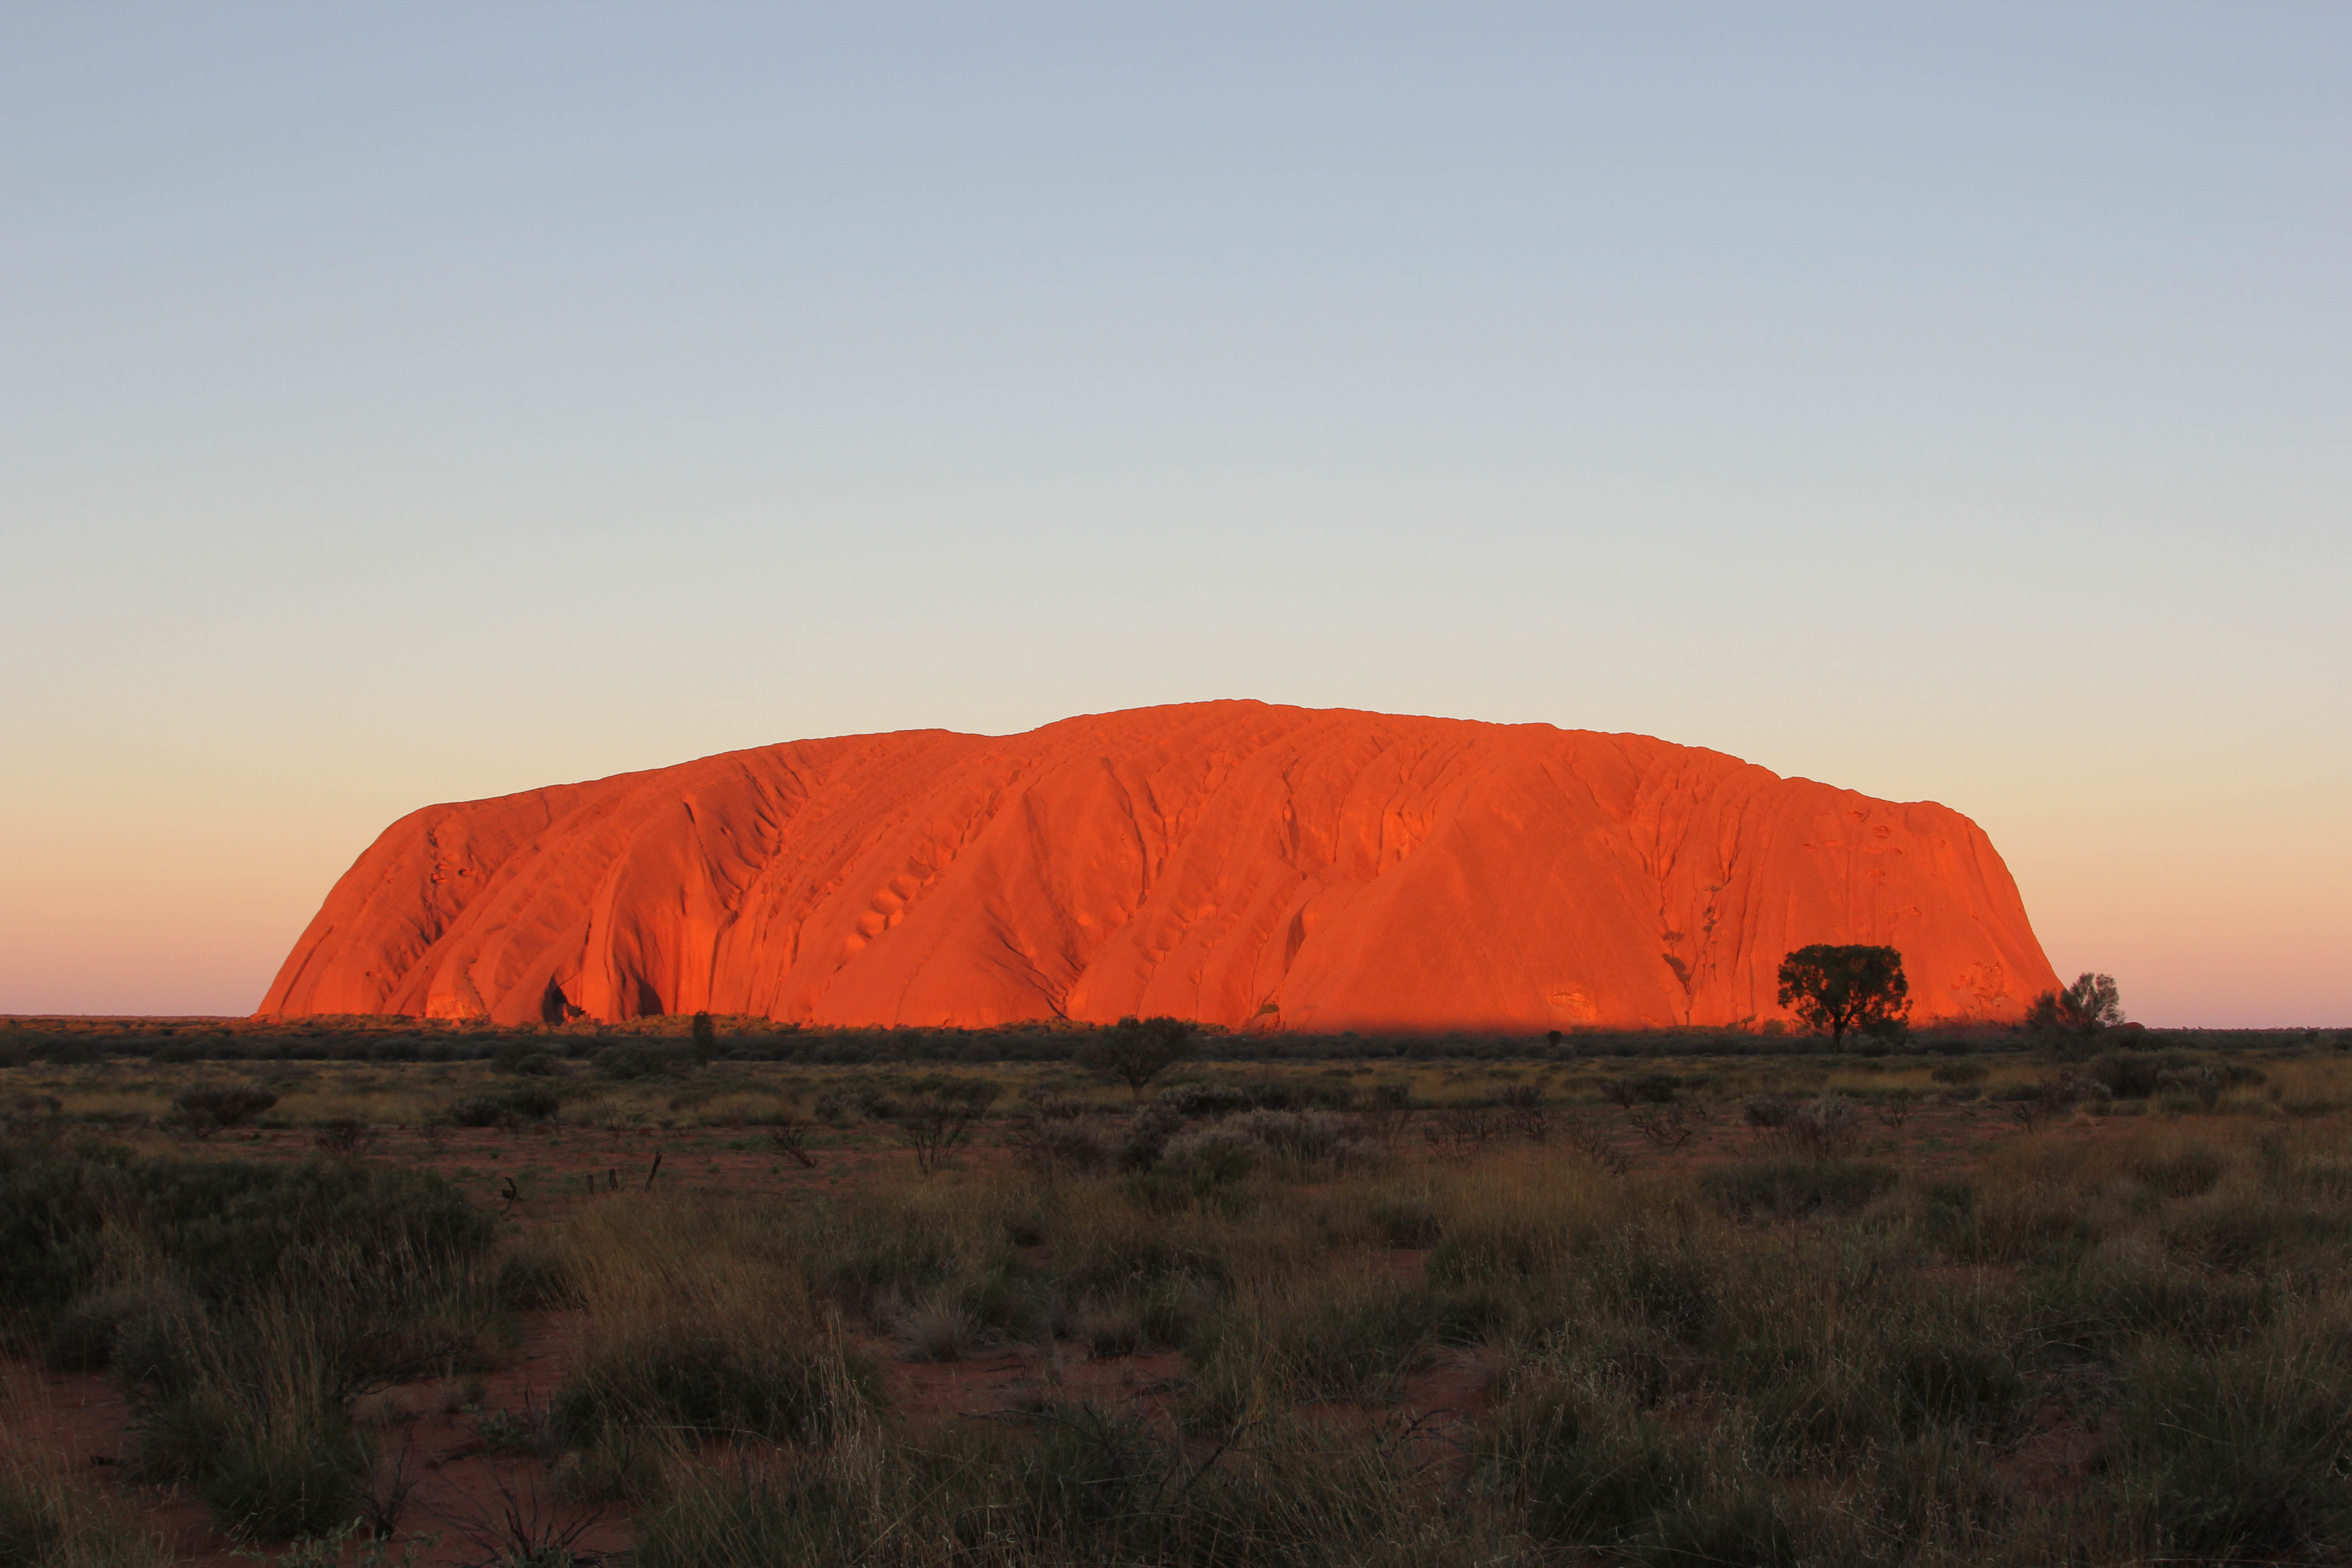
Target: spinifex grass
point(2111, 1332)
point(54, 1515)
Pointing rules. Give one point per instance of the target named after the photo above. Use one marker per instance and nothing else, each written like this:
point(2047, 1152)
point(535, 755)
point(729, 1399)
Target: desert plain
point(378, 1290)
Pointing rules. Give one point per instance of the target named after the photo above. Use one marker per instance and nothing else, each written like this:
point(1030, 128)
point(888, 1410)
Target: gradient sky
point(416, 403)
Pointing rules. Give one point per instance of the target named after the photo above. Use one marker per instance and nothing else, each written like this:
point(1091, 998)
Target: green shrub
point(231, 1105)
point(1171, 1308)
point(1814, 1403)
point(82, 1337)
point(53, 1208)
point(1672, 1291)
point(509, 1108)
point(629, 1062)
point(523, 1057)
point(1350, 1341)
point(904, 1261)
point(750, 1521)
point(713, 1382)
point(1406, 1221)
point(274, 1484)
point(2243, 1454)
point(1641, 1088)
point(2109, 1304)
point(1953, 1381)
point(1083, 1486)
point(2131, 1075)
point(1590, 1473)
point(227, 1227)
point(272, 1461)
point(1797, 1190)
point(1939, 1483)
point(2237, 1231)
point(481, 1111)
point(56, 1516)
point(1210, 1179)
point(2187, 1172)
point(1723, 1527)
point(531, 1281)
point(1090, 1476)
point(30, 1528)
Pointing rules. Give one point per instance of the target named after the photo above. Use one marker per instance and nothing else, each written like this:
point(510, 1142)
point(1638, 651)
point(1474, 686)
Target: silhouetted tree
point(2084, 1008)
point(938, 1117)
point(706, 1040)
point(1136, 1050)
point(1837, 989)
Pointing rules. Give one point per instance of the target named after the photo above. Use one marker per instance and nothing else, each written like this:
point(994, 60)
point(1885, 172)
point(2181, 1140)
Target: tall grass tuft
point(52, 1516)
point(699, 1322)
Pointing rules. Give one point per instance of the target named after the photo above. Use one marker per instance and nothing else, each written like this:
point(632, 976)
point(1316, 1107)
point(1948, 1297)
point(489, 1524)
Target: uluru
point(1239, 863)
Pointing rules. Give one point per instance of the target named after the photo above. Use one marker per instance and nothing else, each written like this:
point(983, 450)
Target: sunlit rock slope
point(1241, 864)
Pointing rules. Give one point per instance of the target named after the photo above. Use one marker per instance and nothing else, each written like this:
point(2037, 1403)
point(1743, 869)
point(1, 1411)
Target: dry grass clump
point(52, 1516)
point(703, 1322)
point(1076, 1486)
point(248, 1398)
point(1885, 1323)
point(244, 1307)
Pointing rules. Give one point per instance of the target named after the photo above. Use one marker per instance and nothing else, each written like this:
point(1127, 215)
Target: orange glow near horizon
point(159, 921)
point(1944, 404)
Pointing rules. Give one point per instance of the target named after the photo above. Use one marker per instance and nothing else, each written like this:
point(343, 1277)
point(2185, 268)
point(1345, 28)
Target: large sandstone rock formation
point(1232, 862)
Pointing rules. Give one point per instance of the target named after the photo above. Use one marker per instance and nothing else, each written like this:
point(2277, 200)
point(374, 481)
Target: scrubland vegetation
point(1978, 1304)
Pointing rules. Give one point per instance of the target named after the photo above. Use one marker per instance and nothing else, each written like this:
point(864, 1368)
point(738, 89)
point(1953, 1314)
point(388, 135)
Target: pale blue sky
point(403, 404)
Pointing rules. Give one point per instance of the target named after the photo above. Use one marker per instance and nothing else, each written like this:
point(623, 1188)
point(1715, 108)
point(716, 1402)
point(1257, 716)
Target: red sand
point(1234, 862)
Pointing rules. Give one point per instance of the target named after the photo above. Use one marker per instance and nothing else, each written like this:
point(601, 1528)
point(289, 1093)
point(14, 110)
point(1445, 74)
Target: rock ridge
point(1237, 862)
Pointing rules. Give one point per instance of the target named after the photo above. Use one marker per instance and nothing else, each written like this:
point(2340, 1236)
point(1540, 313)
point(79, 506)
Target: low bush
point(2245, 1453)
point(2132, 1074)
point(627, 1063)
point(1407, 1222)
point(1797, 1190)
point(230, 1105)
point(531, 1280)
point(1146, 1136)
point(939, 1116)
point(1348, 1338)
point(1641, 1088)
point(56, 1516)
point(2125, 1343)
point(1052, 1135)
point(524, 1057)
point(1591, 1472)
point(714, 1373)
point(280, 1472)
point(508, 1108)
point(1829, 1128)
point(1252, 1138)
point(1952, 1380)
point(707, 1379)
point(82, 1337)
point(1203, 1102)
point(225, 1227)
point(2186, 1171)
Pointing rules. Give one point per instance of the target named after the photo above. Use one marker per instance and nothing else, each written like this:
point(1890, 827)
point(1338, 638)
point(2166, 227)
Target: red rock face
point(1241, 864)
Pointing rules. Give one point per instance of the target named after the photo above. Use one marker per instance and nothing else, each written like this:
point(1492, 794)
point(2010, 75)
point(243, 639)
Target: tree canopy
point(1136, 1050)
point(2092, 1004)
point(1835, 989)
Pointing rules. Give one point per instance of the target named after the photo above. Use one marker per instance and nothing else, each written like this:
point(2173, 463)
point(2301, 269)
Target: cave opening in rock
point(555, 1007)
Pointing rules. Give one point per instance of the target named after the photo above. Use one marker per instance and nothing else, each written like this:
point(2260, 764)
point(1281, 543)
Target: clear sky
point(414, 403)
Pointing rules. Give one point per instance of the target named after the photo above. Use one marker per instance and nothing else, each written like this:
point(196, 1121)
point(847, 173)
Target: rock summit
point(1245, 864)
